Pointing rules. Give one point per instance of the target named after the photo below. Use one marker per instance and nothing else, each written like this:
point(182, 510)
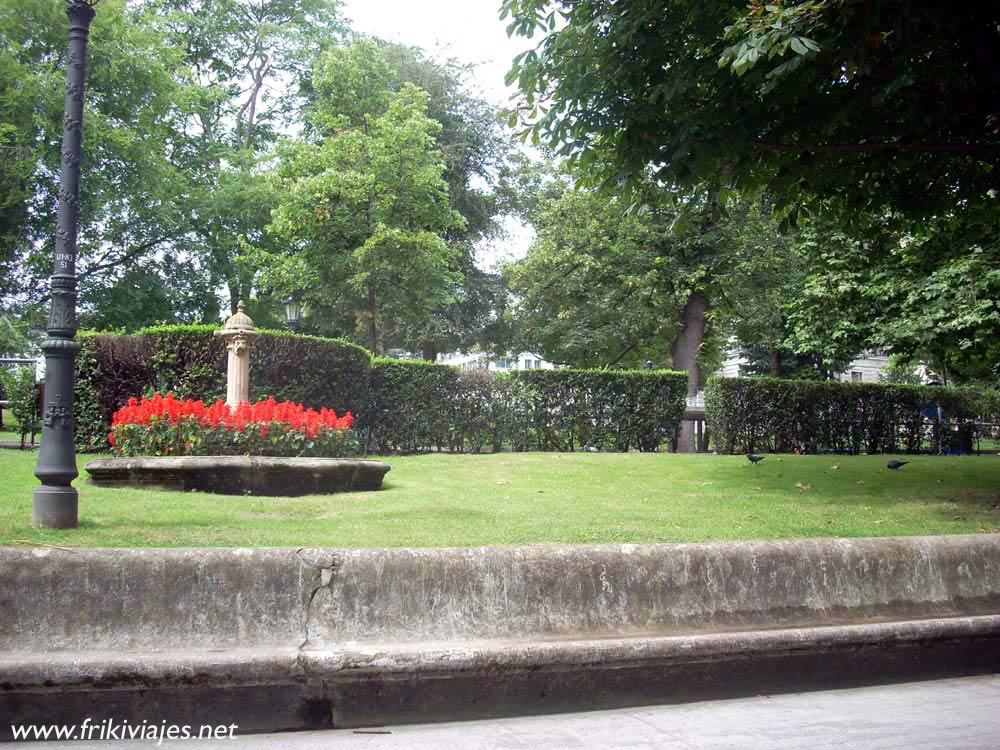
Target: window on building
point(856, 376)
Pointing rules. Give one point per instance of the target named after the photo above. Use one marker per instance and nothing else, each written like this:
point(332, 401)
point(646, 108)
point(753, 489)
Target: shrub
point(412, 406)
point(483, 411)
point(20, 389)
point(607, 410)
point(768, 414)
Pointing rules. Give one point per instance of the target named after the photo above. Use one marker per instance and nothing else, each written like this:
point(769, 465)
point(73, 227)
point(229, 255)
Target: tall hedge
point(769, 414)
point(608, 410)
point(412, 406)
point(417, 406)
point(190, 361)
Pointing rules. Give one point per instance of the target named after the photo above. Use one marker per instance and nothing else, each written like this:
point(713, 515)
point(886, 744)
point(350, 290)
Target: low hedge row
point(768, 414)
point(400, 406)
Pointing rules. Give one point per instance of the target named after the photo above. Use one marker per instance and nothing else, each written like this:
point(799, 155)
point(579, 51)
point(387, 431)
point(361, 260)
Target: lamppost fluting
point(55, 503)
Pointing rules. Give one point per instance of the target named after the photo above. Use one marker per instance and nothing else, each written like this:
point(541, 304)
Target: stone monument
point(239, 335)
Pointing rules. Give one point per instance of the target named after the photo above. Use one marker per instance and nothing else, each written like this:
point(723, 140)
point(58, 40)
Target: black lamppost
point(293, 313)
point(649, 364)
point(55, 503)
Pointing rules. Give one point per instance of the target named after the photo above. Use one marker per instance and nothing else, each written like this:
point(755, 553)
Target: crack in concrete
point(326, 562)
point(319, 699)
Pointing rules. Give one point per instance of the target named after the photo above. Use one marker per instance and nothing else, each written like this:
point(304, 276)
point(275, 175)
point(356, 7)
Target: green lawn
point(454, 500)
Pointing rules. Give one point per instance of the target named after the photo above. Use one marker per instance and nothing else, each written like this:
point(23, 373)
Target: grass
point(457, 500)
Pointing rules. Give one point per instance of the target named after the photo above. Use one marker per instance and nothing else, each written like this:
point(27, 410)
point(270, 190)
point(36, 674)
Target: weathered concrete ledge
point(240, 475)
point(283, 639)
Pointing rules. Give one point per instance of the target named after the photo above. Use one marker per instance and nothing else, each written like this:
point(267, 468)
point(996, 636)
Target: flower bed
point(166, 426)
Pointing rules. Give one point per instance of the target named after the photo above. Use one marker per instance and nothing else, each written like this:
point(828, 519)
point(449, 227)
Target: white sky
point(469, 31)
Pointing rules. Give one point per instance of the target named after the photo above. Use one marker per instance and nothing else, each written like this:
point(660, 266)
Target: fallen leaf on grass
point(502, 481)
point(760, 488)
point(835, 467)
point(958, 518)
point(861, 481)
point(881, 520)
point(831, 522)
point(803, 487)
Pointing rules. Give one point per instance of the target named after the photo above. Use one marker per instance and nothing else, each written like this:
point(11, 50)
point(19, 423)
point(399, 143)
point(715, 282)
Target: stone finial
point(239, 335)
point(240, 321)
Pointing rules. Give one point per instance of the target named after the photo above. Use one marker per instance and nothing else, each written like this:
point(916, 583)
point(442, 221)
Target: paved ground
point(956, 714)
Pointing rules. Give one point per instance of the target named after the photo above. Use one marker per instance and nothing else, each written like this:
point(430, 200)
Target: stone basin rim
point(238, 475)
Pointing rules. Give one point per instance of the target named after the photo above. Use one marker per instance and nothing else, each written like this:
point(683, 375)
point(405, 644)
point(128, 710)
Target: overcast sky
point(468, 30)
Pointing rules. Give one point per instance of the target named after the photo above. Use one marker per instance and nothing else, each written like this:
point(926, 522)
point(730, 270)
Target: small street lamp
point(293, 313)
point(55, 503)
point(649, 364)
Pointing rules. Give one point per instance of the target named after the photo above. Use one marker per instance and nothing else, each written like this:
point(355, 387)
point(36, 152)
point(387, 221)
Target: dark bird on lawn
point(754, 458)
point(895, 464)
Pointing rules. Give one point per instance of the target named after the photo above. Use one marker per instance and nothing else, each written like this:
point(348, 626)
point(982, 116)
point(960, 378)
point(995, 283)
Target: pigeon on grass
point(754, 458)
point(895, 463)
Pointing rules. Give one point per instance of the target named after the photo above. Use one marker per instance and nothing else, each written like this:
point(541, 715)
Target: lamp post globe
point(293, 313)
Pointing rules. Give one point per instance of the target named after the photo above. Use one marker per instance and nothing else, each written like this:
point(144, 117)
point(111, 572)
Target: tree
point(879, 117)
point(128, 202)
point(833, 101)
point(245, 62)
point(476, 153)
point(365, 208)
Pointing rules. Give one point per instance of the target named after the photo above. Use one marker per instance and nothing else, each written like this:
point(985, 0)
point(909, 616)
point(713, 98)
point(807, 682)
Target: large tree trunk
point(429, 351)
point(774, 355)
point(684, 354)
point(372, 329)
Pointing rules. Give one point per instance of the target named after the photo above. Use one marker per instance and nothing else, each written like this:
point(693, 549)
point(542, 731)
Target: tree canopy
point(839, 101)
point(880, 118)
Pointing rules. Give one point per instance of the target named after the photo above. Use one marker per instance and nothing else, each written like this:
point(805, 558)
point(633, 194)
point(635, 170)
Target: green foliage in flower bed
point(166, 426)
point(768, 414)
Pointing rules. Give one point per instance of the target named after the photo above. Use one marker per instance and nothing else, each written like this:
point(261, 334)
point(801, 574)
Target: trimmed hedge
point(401, 406)
point(412, 405)
point(418, 406)
point(190, 362)
point(769, 414)
point(564, 410)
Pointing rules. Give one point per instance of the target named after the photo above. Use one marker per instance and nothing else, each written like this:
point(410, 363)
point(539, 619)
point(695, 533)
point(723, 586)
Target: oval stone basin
point(240, 475)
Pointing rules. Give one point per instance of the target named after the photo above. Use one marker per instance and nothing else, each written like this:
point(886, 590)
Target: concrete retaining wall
point(281, 638)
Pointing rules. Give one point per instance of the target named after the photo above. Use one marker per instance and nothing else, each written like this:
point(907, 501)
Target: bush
point(20, 389)
point(768, 414)
point(412, 407)
point(608, 410)
point(483, 411)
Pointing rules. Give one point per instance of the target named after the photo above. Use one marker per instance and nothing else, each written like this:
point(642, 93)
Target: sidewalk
point(954, 714)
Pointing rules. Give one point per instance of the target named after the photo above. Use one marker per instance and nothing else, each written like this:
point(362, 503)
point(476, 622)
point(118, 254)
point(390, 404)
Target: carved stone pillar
point(239, 335)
